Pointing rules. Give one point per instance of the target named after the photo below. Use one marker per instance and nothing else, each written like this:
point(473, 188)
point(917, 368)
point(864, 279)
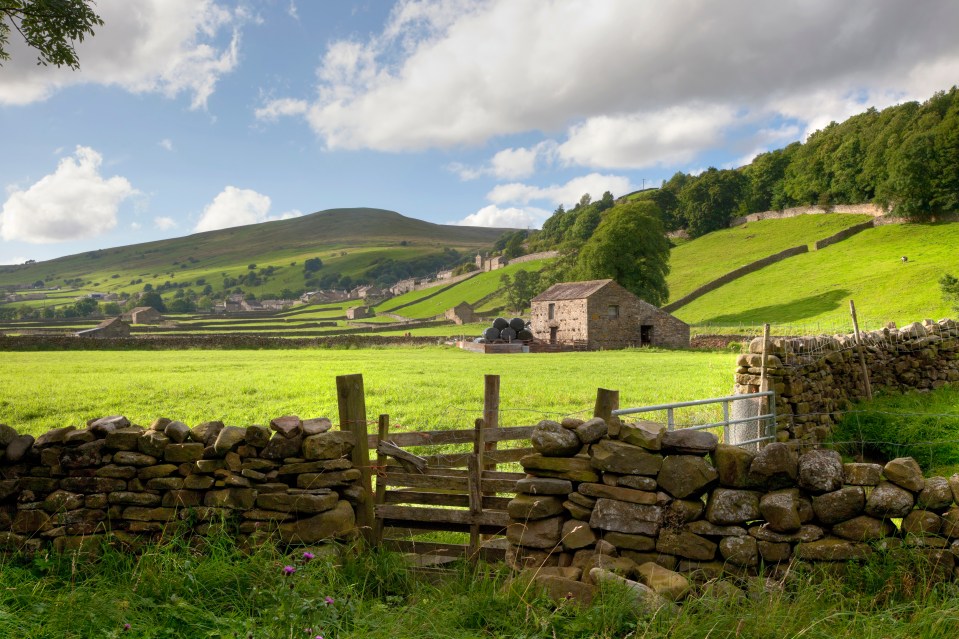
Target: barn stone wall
point(817, 378)
point(570, 318)
point(72, 488)
point(625, 330)
point(635, 502)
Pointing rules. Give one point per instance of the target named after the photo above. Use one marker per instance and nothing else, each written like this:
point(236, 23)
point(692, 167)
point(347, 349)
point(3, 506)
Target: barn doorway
point(552, 334)
point(646, 335)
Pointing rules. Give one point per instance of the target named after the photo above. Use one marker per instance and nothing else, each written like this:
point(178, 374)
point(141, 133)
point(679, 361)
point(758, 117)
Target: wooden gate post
point(606, 402)
point(383, 433)
point(352, 404)
point(490, 413)
point(859, 347)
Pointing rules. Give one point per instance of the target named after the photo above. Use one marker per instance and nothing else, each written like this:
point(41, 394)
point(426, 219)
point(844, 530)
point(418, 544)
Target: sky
point(194, 115)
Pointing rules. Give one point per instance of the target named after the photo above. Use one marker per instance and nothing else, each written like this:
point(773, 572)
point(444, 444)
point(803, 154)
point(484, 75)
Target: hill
point(814, 289)
point(350, 242)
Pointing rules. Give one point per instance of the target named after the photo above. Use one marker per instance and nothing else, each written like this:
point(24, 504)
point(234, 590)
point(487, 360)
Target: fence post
point(490, 412)
point(859, 347)
point(382, 433)
point(606, 402)
point(475, 472)
point(351, 400)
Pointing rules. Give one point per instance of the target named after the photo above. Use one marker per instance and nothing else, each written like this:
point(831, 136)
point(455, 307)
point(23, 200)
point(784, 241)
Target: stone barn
point(602, 314)
point(114, 327)
point(143, 315)
point(461, 314)
point(357, 312)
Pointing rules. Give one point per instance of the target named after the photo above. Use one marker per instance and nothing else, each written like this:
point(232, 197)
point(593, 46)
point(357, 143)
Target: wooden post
point(606, 402)
point(475, 471)
point(490, 412)
point(382, 434)
point(859, 347)
point(352, 405)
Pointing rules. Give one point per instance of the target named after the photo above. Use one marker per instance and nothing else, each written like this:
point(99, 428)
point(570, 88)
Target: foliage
point(630, 247)
point(949, 285)
point(924, 426)
point(311, 265)
point(523, 287)
point(51, 27)
point(707, 203)
point(151, 298)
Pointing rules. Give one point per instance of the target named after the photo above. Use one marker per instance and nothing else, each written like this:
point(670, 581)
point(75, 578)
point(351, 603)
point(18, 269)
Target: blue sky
point(191, 115)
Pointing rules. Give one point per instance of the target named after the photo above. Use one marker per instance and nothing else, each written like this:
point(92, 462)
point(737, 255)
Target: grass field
point(702, 260)
point(816, 287)
point(421, 388)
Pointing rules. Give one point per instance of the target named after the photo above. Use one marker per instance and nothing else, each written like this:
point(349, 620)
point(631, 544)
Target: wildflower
point(328, 600)
point(308, 556)
point(288, 570)
point(126, 627)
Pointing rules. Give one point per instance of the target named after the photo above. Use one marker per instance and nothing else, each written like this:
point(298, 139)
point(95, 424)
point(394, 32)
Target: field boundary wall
point(735, 274)
point(69, 342)
point(840, 209)
point(844, 234)
point(817, 378)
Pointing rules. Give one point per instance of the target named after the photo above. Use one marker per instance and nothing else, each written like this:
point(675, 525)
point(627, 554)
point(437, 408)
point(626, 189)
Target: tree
point(707, 202)
point(51, 27)
point(522, 288)
point(629, 246)
point(312, 265)
point(949, 286)
point(153, 299)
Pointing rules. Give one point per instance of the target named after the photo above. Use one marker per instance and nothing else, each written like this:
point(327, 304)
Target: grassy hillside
point(703, 259)
point(348, 241)
point(815, 288)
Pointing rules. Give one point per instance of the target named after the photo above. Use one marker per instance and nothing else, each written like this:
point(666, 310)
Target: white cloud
point(275, 109)
point(234, 207)
point(632, 83)
point(569, 193)
point(166, 143)
point(163, 46)
point(668, 137)
point(510, 163)
point(292, 11)
point(165, 223)
point(135, 226)
point(510, 217)
point(74, 202)
point(13, 260)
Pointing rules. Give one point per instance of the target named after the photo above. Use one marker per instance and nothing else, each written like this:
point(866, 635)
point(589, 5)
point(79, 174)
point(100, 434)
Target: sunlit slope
point(816, 287)
point(702, 260)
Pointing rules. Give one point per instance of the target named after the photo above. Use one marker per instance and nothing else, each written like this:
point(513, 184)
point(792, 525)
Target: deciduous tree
point(51, 27)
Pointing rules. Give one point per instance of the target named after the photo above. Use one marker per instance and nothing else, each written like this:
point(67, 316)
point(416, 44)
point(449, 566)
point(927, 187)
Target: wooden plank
point(460, 483)
point(406, 459)
point(440, 437)
point(490, 413)
point(458, 460)
point(434, 498)
point(474, 465)
point(486, 553)
point(606, 402)
point(461, 472)
point(383, 431)
point(391, 512)
point(351, 401)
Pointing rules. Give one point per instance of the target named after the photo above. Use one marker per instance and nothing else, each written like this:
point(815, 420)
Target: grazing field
point(816, 287)
point(421, 388)
point(702, 260)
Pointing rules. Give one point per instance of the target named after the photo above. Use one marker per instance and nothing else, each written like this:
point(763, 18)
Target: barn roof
point(140, 309)
point(110, 322)
point(570, 290)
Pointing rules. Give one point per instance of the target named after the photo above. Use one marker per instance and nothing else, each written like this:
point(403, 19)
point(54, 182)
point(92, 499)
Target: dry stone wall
point(665, 510)
point(70, 488)
point(817, 378)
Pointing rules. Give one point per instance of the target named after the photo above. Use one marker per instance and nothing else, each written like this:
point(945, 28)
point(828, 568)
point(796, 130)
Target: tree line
point(904, 157)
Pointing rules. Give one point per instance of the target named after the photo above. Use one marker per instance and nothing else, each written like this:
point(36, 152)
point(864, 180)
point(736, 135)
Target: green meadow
point(428, 388)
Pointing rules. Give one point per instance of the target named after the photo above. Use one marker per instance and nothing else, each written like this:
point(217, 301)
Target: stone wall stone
point(682, 508)
point(817, 378)
point(292, 481)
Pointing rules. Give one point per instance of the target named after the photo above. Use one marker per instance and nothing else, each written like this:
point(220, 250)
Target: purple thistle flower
point(126, 627)
point(307, 556)
point(288, 570)
point(328, 600)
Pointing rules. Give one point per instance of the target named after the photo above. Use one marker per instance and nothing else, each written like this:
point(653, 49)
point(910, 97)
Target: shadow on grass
point(788, 312)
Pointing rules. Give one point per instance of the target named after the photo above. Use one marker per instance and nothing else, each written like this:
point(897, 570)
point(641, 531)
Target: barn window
point(552, 311)
point(613, 311)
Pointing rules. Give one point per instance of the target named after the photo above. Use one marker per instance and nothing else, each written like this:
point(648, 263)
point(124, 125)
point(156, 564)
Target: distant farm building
point(357, 312)
point(113, 327)
point(143, 315)
point(602, 314)
point(462, 313)
point(484, 263)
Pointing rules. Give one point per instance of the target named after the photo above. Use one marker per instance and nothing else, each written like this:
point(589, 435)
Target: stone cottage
point(113, 327)
point(602, 314)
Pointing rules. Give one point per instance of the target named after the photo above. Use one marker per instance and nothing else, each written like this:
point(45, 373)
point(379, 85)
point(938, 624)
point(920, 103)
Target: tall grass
point(218, 590)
